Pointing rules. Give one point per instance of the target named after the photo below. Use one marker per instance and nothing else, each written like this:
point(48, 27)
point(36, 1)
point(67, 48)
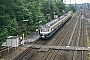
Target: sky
point(77, 1)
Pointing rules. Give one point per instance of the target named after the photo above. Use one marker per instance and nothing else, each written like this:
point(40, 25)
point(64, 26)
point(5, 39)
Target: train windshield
point(44, 30)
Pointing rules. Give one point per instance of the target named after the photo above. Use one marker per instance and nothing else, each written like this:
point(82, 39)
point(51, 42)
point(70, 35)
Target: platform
point(62, 47)
point(33, 37)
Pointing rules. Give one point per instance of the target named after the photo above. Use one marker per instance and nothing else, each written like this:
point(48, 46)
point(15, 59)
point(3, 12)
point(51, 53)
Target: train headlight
point(43, 36)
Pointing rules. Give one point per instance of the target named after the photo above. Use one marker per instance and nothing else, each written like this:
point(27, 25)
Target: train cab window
point(44, 30)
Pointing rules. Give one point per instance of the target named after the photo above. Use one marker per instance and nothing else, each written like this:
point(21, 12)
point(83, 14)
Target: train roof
point(51, 23)
point(54, 21)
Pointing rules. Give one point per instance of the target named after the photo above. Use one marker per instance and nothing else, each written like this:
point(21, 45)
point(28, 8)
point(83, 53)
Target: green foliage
point(12, 27)
point(56, 8)
point(61, 7)
point(70, 8)
point(3, 35)
point(13, 12)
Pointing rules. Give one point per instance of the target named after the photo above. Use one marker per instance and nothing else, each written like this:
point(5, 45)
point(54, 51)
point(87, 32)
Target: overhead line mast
point(49, 13)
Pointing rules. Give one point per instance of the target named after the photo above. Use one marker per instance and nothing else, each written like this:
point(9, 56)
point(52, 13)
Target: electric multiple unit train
point(47, 30)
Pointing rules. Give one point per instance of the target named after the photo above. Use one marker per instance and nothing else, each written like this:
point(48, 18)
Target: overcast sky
point(77, 1)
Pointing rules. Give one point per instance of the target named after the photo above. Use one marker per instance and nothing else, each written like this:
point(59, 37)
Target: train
point(47, 30)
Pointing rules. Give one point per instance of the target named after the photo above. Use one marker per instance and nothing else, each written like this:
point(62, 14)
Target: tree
point(35, 12)
point(60, 7)
point(72, 8)
point(55, 8)
point(3, 35)
point(12, 27)
point(13, 12)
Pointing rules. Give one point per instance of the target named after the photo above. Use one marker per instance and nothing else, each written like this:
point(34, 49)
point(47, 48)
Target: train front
point(44, 32)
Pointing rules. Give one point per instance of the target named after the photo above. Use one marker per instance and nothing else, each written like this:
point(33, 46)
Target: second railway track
point(71, 34)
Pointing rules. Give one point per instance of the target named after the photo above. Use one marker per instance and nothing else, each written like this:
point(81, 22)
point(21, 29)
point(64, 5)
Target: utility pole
point(25, 21)
point(49, 15)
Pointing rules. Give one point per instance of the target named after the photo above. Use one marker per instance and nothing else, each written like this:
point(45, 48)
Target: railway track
point(71, 34)
point(81, 41)
point(75, 52)
point(69, 53)
point(77, 39)
point(88, 29)
point(19, 59)
point(3, 49)
point(84, 53)
point(29, 51)
point(50, 55)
